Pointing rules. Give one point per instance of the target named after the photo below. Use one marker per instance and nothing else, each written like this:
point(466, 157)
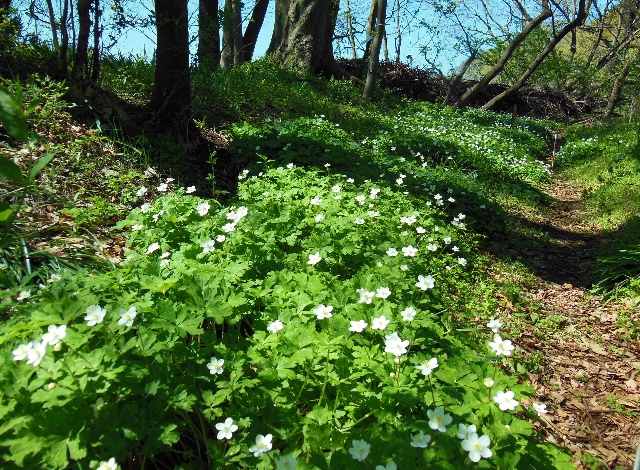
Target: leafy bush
point(300, 325)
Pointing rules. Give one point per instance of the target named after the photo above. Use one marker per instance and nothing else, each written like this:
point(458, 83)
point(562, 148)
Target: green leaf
point(11, 116)
point(10, 170)
point(6, 214)
point(39, 165)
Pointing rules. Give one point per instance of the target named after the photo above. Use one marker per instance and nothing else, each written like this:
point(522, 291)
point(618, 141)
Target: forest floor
point(587, 366)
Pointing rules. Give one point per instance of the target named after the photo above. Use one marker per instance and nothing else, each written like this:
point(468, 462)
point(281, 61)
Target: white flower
point(446, 240)
point(393, 344)
point(477, 447)
point(157, 216)
point(428, 366)
point(36, 353)
point(358, 221)
point(540, 408)
point(136, 227)
point(420, 440)
point(208, 246)
point(359, 449)
point(462, 261)
point(392, 252)
point(319, 218)
point(262, 445)
point(373, 213)
point(22, 351)
point(404, 267)
point(286, 462)
point(465, 431)
point(391, 465)
point(425, 282)
point(126, 318)
point(494, 324)
point(153, 247)
point(383, 292)
point(366, 297)
point(500, 346)
point(162, 188)
point(141, 192)
point(399, 181)
point(432, 247)
point(438, 420)
point(316, 201)
point(203, 208)
point(379, 323)
point(409, 251)
point(408, 314)
point(410, 220)
point(95, 315)
point(170, 180)
point(226, 429)
point(108, 465)
point(335, 189)
point(215, 366)
point(322, 311)
point(505, 400)
point(361, 198)
point(146, 207)
point(53, 278)
point(221, 238)
point(314, 259)
point(54, 334)
point(358, 326)
point(290, 166)
point(488, 382)
point(275, 326)
point(421, 230)
point(455, 249)
point(190, 189)
point(350, 180)
point(165, 255)
point(23, 295)
point(374, 193)
point(228, 228)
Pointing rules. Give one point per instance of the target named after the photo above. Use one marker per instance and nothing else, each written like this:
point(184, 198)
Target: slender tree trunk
point(374, 60)
point(97, 13)
point(226, 56)
point(208, 33)
point(352, 37)
point(64, 37)
point(579, 19)
point(502, 62)
point(303, 35)
point(614, 96)
point(81, 56)
point(460, 75)
point(398, 32)
point(52, 22)
point(253, 28)
point(171, 97)
point(385, 46)
point(371, 26)
point(238, 53)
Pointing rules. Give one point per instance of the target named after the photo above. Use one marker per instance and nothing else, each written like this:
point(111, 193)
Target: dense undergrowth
point(334, 313)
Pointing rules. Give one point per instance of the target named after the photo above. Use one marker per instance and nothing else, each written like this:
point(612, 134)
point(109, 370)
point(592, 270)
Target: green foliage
point(130, 76)
point(111, 389)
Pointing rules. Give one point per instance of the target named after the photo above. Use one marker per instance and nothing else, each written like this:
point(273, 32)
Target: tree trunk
point(352, 37)
point(208, 34)
point(466, 98)
point(371, 26)
point(52, 22)
point(171, 97)
point(226, 55)
point(238, 53)
point(81, 56)
point(303, 34)
point(253, 28)
point(614, 96)
point(64, 37)
point(578, 20)
point(97, 13)
point(374, 60)
point(460, 75)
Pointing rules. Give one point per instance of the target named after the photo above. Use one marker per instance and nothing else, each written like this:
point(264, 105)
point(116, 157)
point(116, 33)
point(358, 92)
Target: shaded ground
point(587, 362)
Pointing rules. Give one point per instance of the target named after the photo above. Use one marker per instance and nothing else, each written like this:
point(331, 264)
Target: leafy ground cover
point(337, 311)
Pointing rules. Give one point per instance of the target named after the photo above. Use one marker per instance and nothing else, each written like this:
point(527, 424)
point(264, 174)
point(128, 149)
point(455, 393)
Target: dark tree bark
point(81, 56)
point(466, 98)
point(64, 37)
point(208, 33)
point(303, 35)
point(460, 75)
point(52, 22)
point(171, 97)
point(374, 59)
point(97, 13)
point(581, 15)
point(371, 25)
point(231, 35)
point(253, 29)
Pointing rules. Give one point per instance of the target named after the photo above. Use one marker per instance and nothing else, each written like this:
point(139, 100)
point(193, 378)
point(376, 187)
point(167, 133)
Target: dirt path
point(588, 369)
